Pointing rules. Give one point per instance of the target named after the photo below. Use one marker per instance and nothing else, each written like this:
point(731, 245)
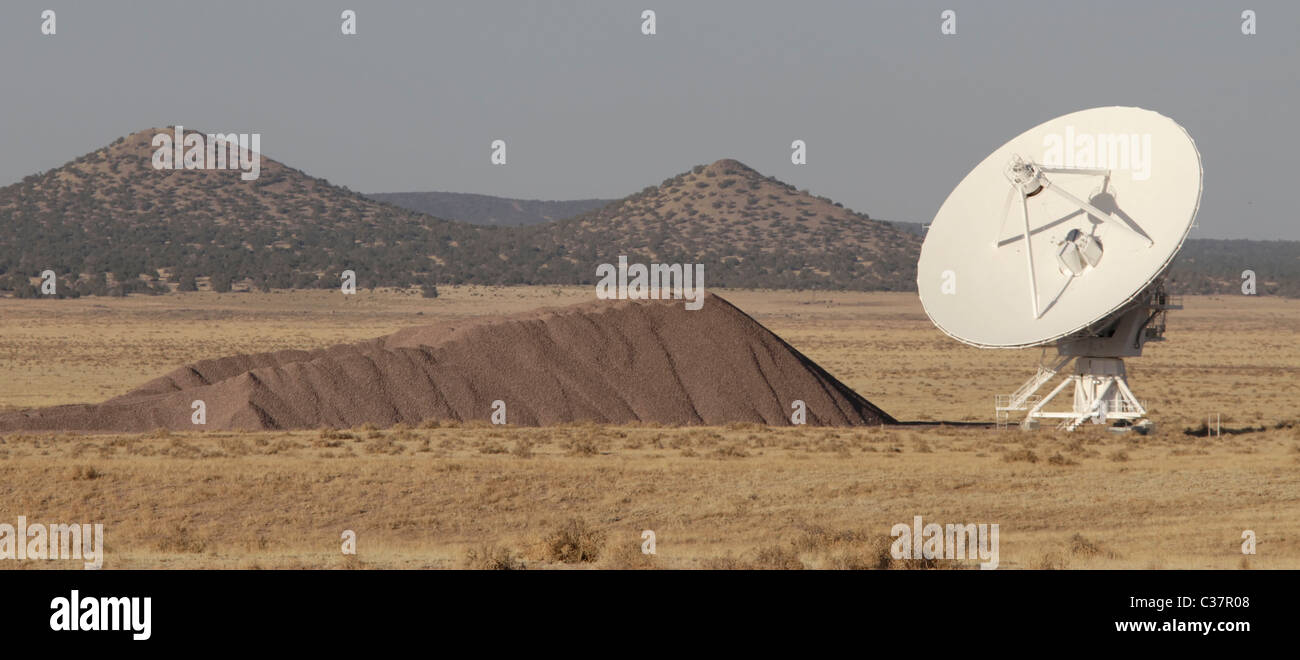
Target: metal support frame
point(1095, 212)
point(1027, 179)
point(1100, 384)
point(1101, 393)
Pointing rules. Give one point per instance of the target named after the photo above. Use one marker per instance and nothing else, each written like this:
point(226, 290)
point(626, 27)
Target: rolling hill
point(488, 210)
point(111, 212)
point(749, 230)
point(109, 223)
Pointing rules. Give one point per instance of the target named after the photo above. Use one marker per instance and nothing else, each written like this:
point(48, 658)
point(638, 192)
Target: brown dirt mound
point(605, 361)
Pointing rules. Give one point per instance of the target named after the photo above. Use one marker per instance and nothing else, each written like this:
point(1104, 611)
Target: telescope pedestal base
point(1101, 394)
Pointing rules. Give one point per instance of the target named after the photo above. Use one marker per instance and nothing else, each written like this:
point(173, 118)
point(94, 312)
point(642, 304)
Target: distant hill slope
point(108, 222)
point(489, 210)
point(1207, 265)
point(1214, 266)
point(113, 221)
point(749, 230)
point(909, 227)
point(111, 211)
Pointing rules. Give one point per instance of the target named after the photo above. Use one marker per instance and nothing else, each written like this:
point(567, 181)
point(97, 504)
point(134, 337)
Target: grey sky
point(894, 114)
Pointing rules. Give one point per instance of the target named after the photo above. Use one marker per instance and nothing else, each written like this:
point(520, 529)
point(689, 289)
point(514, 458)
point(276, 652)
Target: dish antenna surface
point(1061, 237)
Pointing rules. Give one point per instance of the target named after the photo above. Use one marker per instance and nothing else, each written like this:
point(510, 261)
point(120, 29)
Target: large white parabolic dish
point(1139, 167)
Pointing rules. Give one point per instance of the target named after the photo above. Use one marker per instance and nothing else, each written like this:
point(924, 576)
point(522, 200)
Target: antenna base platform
point(1101, 392)
point(1101, 395)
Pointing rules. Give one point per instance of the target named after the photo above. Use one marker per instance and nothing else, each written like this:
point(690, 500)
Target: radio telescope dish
point(1062, 236)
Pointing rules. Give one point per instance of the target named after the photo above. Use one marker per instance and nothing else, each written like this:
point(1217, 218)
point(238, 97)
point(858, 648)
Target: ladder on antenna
point(1020, 399)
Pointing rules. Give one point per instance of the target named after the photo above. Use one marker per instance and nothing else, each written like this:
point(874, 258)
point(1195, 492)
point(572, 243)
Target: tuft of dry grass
point(492, 447)
point(84, 473)
point(776, 558)
point(382, 444)
point(489, 557)
point(1027, 455)
point(1060, 459)
point(574, 542)
point(1051, 561)
point(584, 445)
point(1082, 547)
point(327, 433)
point(628, 556)
point(844, 549)
point(730, 451)
point(179, 539)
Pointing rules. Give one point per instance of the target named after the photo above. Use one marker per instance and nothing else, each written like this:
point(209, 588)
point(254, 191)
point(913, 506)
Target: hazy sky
point(894, 114)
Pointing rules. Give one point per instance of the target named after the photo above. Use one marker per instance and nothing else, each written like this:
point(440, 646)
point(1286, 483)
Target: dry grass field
point(453, 496)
